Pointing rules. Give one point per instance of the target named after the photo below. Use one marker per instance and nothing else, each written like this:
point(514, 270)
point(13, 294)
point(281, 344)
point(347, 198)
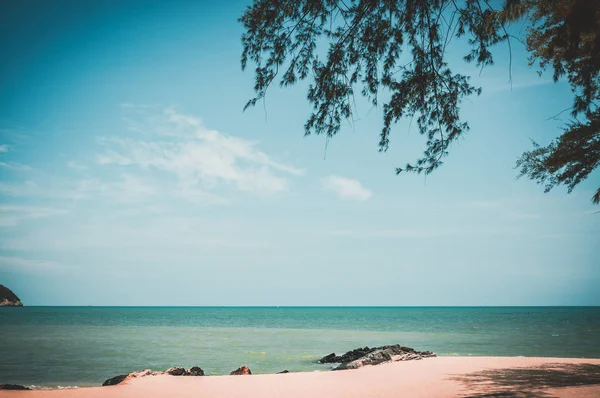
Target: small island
point(8, 298)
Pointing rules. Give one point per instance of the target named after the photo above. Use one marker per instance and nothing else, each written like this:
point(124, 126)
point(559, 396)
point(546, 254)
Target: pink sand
point(432, 377)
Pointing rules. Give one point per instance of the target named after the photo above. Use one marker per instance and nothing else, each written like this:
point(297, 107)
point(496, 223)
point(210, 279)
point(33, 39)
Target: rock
point(13, 386)
point(120, 378)
point(143, 373)
point(283, 371)
point(195, 371)
point(242, 370)
point(176, 371)
point(113, 381)
point(9, 299)
point(331, 358)
point(374, 356)
point(347, 357)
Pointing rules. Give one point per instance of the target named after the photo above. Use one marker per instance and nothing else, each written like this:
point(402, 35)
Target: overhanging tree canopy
point(365, 39)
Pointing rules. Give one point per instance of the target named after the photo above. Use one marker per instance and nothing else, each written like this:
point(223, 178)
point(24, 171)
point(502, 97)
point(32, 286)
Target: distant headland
point(8, 298)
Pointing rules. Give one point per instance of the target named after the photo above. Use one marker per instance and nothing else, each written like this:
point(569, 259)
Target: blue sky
point(129, 175)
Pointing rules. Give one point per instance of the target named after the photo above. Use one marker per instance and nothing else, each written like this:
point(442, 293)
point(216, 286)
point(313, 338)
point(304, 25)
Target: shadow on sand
point(528, 382)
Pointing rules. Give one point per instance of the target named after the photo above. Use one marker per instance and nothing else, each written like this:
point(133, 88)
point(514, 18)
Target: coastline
point(430, 377)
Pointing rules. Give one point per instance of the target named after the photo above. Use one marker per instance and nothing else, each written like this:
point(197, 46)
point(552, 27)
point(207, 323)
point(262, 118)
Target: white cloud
point(346, 188)
point(141, 190)
point(3, 148)
point(195, 156)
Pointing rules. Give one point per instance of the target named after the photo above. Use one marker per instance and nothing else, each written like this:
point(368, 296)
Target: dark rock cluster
point(374, 356)
point(242, 370)
point(175, 371)
point(195, 371)
point(347, 357)
point(13, 387)
point(351, 360)
point(113, 381)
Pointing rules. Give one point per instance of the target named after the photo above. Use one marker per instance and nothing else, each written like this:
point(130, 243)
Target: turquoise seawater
point(78, 346)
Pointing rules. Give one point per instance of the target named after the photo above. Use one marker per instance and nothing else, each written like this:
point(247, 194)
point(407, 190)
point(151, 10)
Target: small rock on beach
point(242, 370)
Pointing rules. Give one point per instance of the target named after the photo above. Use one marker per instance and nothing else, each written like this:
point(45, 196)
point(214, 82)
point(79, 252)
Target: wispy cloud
point(497, 86)
point(510, 207)
point(433, 232)
point(25, 188)
point(346, 188)
point(197, 157)
point(19, 264)
point(48, 187)
point(15, 166)
point(166, 156)
point(3, 148)
point(11, 215)
point(127, 188)
point(73, 164)
point(389, 233)
point(125, 230)
point(484, 204)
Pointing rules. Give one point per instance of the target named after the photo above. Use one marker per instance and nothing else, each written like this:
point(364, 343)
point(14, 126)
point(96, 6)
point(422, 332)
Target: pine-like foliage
point(565, 34)
point(399, 47)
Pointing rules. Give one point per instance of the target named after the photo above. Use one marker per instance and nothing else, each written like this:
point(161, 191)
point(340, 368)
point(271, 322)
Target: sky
point(129, 175)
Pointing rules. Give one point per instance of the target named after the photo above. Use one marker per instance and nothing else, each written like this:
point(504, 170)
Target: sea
point(61, 347)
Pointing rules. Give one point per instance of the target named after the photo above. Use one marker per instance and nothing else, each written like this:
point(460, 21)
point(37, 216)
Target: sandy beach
point(432, 377)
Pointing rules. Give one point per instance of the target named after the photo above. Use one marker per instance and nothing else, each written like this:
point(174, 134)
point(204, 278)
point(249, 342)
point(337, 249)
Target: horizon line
point(313, 306)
